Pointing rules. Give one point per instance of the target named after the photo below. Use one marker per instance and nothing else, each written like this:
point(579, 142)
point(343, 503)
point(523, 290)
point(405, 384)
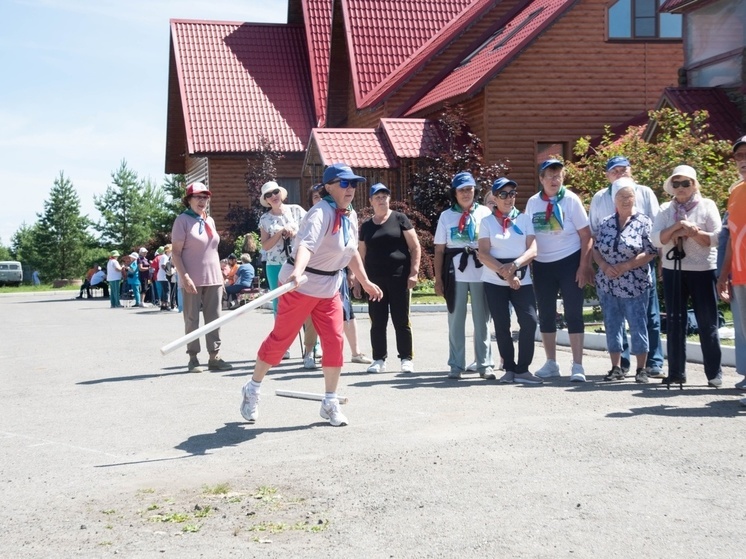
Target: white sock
point(254, 386)
point(330, 396)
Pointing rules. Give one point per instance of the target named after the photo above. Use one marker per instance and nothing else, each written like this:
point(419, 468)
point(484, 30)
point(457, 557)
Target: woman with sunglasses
point(277, 228)
point(325, 244)
point(506, 247)
point(687, 230)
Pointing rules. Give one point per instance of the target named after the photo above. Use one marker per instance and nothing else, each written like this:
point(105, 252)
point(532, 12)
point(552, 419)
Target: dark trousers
point(396, 301)
point(165, 293)
point(85, 287)
point(551, 278)
point(700, 288)
point(499, 299)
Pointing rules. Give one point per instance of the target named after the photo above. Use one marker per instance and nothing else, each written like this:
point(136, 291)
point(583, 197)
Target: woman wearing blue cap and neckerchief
point(458, 275)
point(325, 244)
point(506, 247)
point(562, 264)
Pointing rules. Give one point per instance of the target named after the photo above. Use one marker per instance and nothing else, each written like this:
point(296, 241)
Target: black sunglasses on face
point(506, 194)
point(681, 184)
point(275, 192)
point(344, 183)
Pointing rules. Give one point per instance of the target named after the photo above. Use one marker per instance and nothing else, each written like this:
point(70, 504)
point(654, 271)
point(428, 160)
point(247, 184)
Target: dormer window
point(640, 20)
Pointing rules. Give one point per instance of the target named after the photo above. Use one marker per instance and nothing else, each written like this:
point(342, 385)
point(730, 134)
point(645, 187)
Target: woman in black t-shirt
point(390, 251)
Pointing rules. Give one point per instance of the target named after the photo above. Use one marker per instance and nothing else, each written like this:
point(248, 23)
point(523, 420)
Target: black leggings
point(551, 278)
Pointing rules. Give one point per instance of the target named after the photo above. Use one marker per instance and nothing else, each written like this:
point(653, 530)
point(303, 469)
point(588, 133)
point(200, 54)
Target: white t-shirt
point(292, 214)
point(113, 270)
point(505, 244)
point(447, 233)
point(552, 241)
point(329, 250)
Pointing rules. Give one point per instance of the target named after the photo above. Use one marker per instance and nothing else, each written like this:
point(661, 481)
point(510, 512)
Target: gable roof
point(382, 35)
point(363, 148)
point(411, 138)
point(724, 118)
point(678, 6)
point(317, 15)
point(497, 48)
point(241, 83)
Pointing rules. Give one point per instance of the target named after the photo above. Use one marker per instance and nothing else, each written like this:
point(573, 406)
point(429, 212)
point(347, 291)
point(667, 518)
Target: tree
point(22, 245)
point(174, 186)
point(680, 138)
point(61, 239)
point(461, 150)
point(4, 252)
point(132, 211)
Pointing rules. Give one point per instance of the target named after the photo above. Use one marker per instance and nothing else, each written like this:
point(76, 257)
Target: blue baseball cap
point(337, 171)
point(617, 161)
point(377, 188)
point(550, 163)
point(463, 180)
point(502, 182)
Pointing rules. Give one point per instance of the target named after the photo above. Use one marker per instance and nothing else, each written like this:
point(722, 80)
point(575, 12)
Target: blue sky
point(84, 85)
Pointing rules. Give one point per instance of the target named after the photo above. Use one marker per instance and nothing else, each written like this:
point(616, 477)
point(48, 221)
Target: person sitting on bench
point(244, 277)
point(98, 280)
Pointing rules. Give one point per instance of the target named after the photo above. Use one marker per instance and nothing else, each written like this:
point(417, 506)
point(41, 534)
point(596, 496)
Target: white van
point(11, 273)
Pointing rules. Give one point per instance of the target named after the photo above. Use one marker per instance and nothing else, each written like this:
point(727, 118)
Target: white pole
point(209, 327)
point(307, 396)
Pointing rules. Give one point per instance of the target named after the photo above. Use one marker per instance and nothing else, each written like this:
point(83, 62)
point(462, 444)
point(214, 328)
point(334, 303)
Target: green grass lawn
point(24, 288)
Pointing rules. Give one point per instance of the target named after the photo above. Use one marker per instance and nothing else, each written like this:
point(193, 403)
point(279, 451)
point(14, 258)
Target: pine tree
point(60, 238)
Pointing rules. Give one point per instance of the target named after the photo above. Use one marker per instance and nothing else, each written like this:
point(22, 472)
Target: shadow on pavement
point(718, 408)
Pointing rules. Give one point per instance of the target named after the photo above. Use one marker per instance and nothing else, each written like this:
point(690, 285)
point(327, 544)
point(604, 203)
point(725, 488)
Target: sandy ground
point(108, 448)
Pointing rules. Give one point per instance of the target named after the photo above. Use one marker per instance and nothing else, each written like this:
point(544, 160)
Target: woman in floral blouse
point(622, 251)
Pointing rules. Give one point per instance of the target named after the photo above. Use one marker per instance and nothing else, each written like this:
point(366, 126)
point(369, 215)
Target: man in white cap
point(602, 206)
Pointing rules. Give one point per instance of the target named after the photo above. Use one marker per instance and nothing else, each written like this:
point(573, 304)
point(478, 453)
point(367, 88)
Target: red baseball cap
point(197, 188)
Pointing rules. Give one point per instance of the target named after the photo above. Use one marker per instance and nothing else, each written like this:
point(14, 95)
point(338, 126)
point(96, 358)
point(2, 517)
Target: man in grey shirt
point(602, 206)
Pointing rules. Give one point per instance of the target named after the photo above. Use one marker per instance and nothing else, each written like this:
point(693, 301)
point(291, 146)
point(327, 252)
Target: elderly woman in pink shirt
point(194, 242)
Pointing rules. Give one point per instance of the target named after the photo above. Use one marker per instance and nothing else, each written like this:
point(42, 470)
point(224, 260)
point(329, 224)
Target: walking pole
point(677, 318)
point(217, 323)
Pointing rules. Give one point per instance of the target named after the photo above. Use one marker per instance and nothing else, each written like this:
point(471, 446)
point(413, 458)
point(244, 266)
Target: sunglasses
point(269, 195)
point(681, 184)
point(344, 183)
point(505, 194)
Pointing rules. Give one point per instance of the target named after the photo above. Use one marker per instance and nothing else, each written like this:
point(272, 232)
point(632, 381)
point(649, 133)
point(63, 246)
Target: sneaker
point(317, 351)
point(577, 373)
point(361, 358)
point(549, 369)
point(742, 401)
point(716, 382)
point(286, 356)
point(378, 366)
point(407, 366)
point(454, 374)
point(655, 372)
point(217, 364)
point(194, 366)
point(330, 410)
point(742, 384)
point(250, 404)
point(508, 377)
point(616, 373)
point(309, 362)
point(527, 378)
point(472, 367)
point(641, 375)
point(488, 374)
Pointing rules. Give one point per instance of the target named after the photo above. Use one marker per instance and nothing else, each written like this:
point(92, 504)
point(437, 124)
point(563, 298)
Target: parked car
point(11, 273)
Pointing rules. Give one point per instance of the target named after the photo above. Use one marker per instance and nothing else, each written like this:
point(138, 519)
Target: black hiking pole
point(676, 317)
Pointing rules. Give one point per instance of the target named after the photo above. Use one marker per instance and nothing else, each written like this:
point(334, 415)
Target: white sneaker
point(250, 404)
point(741, 385)
point(472, 366)
point(578, 373)
point(330, 410)
point(407, 366)
point(286, 356)
point(549, 369)
point(309, 362)
point(378, 366)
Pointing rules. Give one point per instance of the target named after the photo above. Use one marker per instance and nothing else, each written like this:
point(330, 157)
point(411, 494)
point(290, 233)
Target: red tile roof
point(364, 148)
point(411, 138)
point(382, 35)
point(317, 15)
point(679, 6)
point(724, 116)
point(498, 48)
point(241, 83)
